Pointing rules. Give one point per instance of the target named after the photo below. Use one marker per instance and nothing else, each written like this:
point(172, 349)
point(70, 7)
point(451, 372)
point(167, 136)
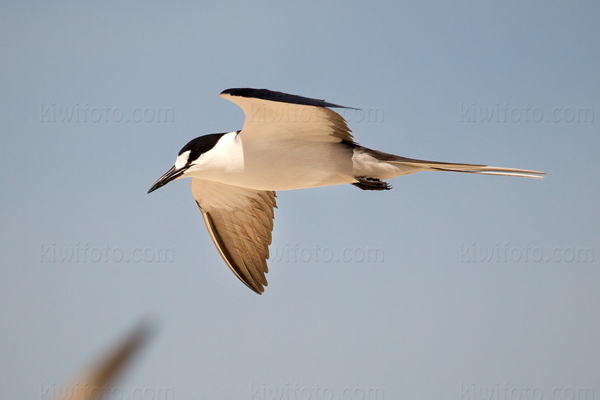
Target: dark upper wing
point(239, 222)
point(283, 115)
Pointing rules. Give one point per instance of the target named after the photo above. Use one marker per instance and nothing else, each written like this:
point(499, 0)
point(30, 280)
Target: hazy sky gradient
point(436, 317)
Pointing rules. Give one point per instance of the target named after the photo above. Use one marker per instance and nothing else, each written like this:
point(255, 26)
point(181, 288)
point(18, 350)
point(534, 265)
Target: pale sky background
point(432, 318)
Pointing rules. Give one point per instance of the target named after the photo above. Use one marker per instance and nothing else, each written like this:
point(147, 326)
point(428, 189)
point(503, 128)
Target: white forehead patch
point(182, 159)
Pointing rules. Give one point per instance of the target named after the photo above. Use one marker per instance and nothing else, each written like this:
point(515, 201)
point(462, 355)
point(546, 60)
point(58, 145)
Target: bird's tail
point(471, 168)
point(414, 165)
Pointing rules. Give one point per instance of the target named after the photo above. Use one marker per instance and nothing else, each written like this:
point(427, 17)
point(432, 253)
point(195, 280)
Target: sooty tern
point(287, 142)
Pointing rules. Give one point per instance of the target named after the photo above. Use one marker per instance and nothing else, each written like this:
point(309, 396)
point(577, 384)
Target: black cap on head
point(200, 145)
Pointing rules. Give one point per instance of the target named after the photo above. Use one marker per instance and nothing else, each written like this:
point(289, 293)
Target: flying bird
point(287, 142)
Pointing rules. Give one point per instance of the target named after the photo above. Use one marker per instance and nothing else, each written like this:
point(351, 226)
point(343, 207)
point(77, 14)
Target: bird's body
point(287, 142)
point(266, 165)
point(291, 164)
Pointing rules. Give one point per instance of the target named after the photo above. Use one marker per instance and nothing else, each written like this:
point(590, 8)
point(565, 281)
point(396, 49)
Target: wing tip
point(259, 291)
point(242, 274)
point(256, 287)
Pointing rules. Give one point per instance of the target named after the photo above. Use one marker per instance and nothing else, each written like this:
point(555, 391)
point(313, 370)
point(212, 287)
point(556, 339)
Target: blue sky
point(446, 287)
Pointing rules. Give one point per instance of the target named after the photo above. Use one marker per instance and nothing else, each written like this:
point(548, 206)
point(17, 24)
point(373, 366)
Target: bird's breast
point(285, 165)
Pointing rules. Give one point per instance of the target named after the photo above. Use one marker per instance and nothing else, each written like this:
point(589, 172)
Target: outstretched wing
point(239, 222)
point(278, 115)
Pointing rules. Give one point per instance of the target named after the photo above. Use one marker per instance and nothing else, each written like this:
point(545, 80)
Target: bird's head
point(191, 158)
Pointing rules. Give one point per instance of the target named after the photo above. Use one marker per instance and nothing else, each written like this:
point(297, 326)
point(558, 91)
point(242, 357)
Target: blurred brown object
point(96, 382)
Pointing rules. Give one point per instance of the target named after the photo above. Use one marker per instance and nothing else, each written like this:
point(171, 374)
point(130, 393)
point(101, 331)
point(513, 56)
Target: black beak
point(171, 175)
